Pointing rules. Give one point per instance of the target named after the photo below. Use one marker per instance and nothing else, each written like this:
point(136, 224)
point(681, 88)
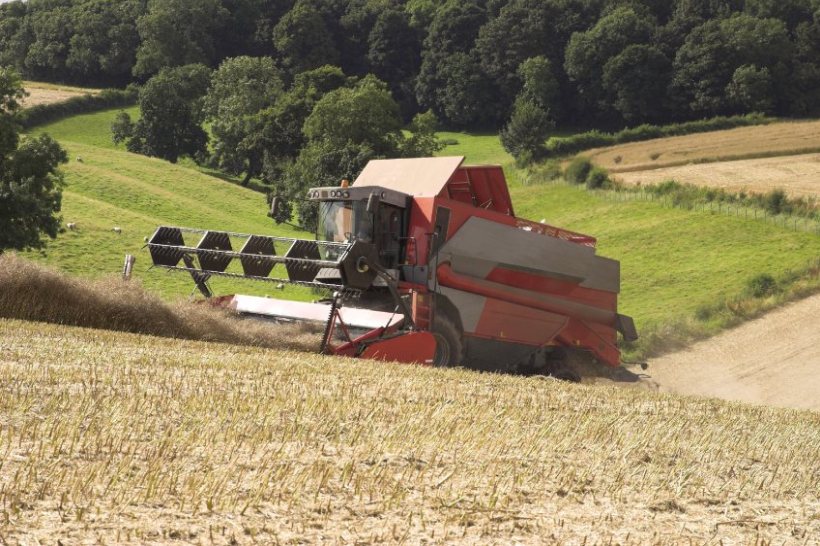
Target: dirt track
point(773, 360)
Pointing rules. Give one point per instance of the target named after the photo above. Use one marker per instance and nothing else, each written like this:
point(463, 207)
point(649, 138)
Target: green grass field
point(674, 262)
point(108, 187)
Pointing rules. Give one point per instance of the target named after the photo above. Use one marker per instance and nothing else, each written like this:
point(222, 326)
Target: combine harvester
point(426, 263)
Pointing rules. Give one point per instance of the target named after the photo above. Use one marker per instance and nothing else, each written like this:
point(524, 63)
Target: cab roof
point(419, 177)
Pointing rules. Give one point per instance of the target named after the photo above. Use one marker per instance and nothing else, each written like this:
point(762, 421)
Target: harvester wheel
point(449, 344)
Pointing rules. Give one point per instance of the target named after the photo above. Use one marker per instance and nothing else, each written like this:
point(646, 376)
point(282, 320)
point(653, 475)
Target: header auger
point(426, 263)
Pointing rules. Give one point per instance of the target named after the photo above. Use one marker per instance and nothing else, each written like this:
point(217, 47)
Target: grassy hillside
point(672, 261)
point(124, 438)
point(108, 187)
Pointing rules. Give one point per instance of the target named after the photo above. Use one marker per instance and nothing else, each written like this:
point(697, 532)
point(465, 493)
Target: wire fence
point(787, 221)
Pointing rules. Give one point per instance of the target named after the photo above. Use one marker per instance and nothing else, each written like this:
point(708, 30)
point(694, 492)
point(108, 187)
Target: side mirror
point(373, 203)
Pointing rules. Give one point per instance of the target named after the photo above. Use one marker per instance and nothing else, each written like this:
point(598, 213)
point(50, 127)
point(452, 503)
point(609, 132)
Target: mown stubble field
point(110, 437)
point(753, 159)
point(43, 93)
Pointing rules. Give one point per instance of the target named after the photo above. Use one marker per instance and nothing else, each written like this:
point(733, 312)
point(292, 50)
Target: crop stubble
point(107, 436)
point(758, 159)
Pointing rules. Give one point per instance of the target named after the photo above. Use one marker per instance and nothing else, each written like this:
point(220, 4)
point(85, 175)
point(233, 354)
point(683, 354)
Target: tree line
point(596, 62)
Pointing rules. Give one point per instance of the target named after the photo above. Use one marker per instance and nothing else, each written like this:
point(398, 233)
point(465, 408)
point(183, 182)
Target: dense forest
point(304, 92)
point(596, 62)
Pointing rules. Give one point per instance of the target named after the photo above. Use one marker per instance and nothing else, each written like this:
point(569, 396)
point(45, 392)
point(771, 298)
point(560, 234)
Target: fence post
point(128, 267)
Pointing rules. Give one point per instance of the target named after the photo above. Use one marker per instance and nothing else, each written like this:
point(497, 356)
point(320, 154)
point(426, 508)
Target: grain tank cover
point(419, 177)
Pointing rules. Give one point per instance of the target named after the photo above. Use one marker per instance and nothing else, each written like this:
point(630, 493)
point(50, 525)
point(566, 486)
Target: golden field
point(45, 93)
point(757, 159)
point(110, 437)
point(798, 175)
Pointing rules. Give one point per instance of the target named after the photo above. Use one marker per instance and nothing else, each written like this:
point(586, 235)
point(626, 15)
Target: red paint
point(552, 286)
point(409, 348)
point(504, 317)
point(507, 321)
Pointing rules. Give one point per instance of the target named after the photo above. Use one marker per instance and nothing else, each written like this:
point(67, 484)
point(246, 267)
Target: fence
point(795, 223)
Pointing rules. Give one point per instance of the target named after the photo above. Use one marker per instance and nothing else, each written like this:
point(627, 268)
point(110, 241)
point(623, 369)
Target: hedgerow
point(560, 146)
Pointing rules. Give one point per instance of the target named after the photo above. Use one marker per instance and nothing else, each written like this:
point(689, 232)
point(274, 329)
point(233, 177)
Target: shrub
point(526, 132)
point(776, 202)
point(762, 285)
point(578, 170)
point(576, 143)
point(42, 114)
point(546, 172)
point(597, 178)
point(560, 146)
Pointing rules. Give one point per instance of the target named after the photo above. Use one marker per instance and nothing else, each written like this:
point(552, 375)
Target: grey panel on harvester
point(483, 240)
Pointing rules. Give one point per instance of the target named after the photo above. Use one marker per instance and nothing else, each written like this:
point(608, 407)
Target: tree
point(525, 29)
point(363, 115)
point(172, 114)
point(321, 163)
point(177, 33)
point(15, 35)
point(464, 96)
point(422, 141)
point(539, 84)
point(635, 82)
point(303, 40)
point(526, 133)
point(47, 54)
point(122, 128)
point(347, 127)
point(706, 63)
point(751, 89)
point(356, 25)
point(588, 52)
point(240, 89)
point(283, 122)
point(453, 31)
point(804, 89)
point(394, 55)
point(103, 46)
point(30, 182)
point(791, 12)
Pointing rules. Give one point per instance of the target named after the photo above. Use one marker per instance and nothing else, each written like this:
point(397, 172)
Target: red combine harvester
point(426, 263)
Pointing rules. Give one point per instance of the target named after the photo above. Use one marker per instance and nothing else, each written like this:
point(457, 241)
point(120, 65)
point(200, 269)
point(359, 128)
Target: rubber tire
point(449, 342)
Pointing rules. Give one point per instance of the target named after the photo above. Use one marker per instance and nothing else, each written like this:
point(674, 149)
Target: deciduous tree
point(30, 182)
point(240, 89)
point(171, 104)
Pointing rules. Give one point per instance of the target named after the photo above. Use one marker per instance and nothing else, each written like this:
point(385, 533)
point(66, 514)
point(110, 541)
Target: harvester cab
point(425, 262)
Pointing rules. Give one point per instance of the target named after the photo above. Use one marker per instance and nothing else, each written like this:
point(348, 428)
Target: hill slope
point(674, 261)
point(108, 187)
point(123, 438)
point(755, 159)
